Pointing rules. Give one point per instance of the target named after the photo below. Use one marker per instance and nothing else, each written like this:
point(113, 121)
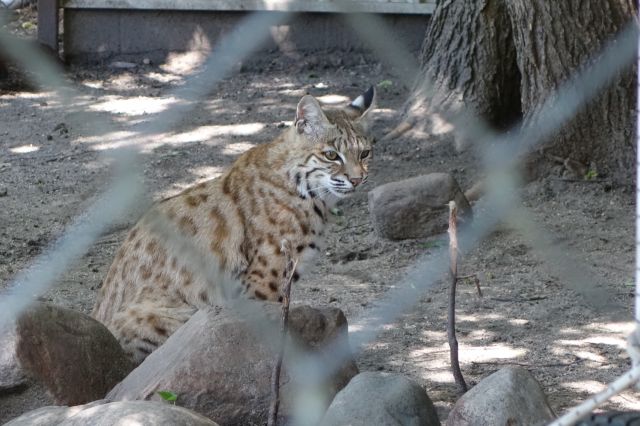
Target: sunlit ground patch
point(139, 105)
point(626, 401)
point(237, 148)
point(24, 149)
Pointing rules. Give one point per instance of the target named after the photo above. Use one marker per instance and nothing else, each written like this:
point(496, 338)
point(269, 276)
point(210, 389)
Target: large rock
point(218, 367)
point(381, 399)
point(24, 399)
point(510, 396)
point(45, 416)
point(12, 375)
point(116, 413)
point(72, 354)
point(50, 415)
point(416, 207)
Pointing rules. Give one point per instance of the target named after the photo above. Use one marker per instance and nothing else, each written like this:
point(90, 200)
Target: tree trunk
point(3, 69)
point(469, 57)
point(503, 58)
point(599, 139)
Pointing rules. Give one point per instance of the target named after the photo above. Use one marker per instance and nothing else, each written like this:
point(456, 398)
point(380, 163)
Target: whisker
point(317, 188)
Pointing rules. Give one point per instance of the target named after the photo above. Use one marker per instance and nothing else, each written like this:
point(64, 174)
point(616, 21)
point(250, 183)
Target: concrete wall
point(96, 35)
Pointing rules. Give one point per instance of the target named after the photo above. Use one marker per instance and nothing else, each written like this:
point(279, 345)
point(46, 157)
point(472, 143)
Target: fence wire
point(501, 151)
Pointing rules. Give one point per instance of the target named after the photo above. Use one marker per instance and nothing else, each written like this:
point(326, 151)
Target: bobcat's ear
point(359, 109)
point(310, 119)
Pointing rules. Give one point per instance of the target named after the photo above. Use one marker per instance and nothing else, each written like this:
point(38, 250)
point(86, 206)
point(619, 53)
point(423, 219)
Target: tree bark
point(599, 139)
point(469, 56)
point(503, 58)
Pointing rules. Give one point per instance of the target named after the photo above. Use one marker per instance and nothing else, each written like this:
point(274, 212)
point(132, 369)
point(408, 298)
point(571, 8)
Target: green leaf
point(168, 395)
point(385, 84)
point(591, 174)
point(336, 211)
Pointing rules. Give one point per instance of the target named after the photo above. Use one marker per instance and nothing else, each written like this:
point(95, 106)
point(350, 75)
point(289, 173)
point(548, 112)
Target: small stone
point(416, 207)
point(11, 374)
point(61, 128)
point(510, 396)
point(4, 192)
point(49, 137)
point(146, 61)
point(73, 355)
point(384, 399)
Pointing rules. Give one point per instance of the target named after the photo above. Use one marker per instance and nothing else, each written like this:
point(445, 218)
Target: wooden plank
point(48, 14)
point(367, 6)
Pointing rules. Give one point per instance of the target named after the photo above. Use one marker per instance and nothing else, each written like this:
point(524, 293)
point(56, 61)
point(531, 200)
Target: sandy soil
point(561, 310)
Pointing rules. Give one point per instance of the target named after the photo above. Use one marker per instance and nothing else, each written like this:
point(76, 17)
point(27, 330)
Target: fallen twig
point(523, 364)
point(476, 281)
point(285, 291)
point(49, 158)
point(577, 180)
point(451, 317)
point(525, 299)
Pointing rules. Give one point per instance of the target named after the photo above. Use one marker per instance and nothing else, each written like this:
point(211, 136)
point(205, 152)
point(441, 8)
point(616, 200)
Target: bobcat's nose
point(355, 181)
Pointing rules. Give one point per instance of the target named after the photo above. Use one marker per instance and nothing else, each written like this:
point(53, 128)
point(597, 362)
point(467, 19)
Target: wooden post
point(48, 19)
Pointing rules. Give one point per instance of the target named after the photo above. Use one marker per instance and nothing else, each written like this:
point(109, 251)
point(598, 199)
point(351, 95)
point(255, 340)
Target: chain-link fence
point(502, 200)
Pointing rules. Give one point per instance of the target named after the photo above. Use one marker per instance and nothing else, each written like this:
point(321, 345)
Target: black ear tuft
point(363, 102)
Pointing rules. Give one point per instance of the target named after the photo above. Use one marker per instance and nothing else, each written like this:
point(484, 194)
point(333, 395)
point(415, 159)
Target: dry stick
point(451, 317)
point(476, 281)
point(275, 373)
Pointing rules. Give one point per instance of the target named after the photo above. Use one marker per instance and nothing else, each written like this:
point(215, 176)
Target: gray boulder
point(45, 416)
point(50, 414)
point(116, 413)
point(11, 374)
point(381, 399)
point(219, 363)
point(416, 207)
point(510, 396)
point(73, 355)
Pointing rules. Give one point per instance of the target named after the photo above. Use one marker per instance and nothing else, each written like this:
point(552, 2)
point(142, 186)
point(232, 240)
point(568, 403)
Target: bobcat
point(281, 190)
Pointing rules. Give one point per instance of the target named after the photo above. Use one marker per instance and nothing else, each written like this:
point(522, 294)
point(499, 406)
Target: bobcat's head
point(336, 145)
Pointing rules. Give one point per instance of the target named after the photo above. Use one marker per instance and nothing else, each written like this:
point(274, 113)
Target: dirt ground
point(556, 300)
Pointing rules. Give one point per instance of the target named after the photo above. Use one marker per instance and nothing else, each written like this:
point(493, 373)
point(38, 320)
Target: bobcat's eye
point(331, 155)
point(364, 154)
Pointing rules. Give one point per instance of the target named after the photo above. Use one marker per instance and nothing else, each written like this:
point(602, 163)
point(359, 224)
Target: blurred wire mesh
point(501, 151)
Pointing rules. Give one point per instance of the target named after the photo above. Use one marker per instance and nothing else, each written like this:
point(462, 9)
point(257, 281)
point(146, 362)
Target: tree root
point(398, 131)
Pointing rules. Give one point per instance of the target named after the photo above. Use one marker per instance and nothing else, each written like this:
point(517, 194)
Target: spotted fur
point(278, 191)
